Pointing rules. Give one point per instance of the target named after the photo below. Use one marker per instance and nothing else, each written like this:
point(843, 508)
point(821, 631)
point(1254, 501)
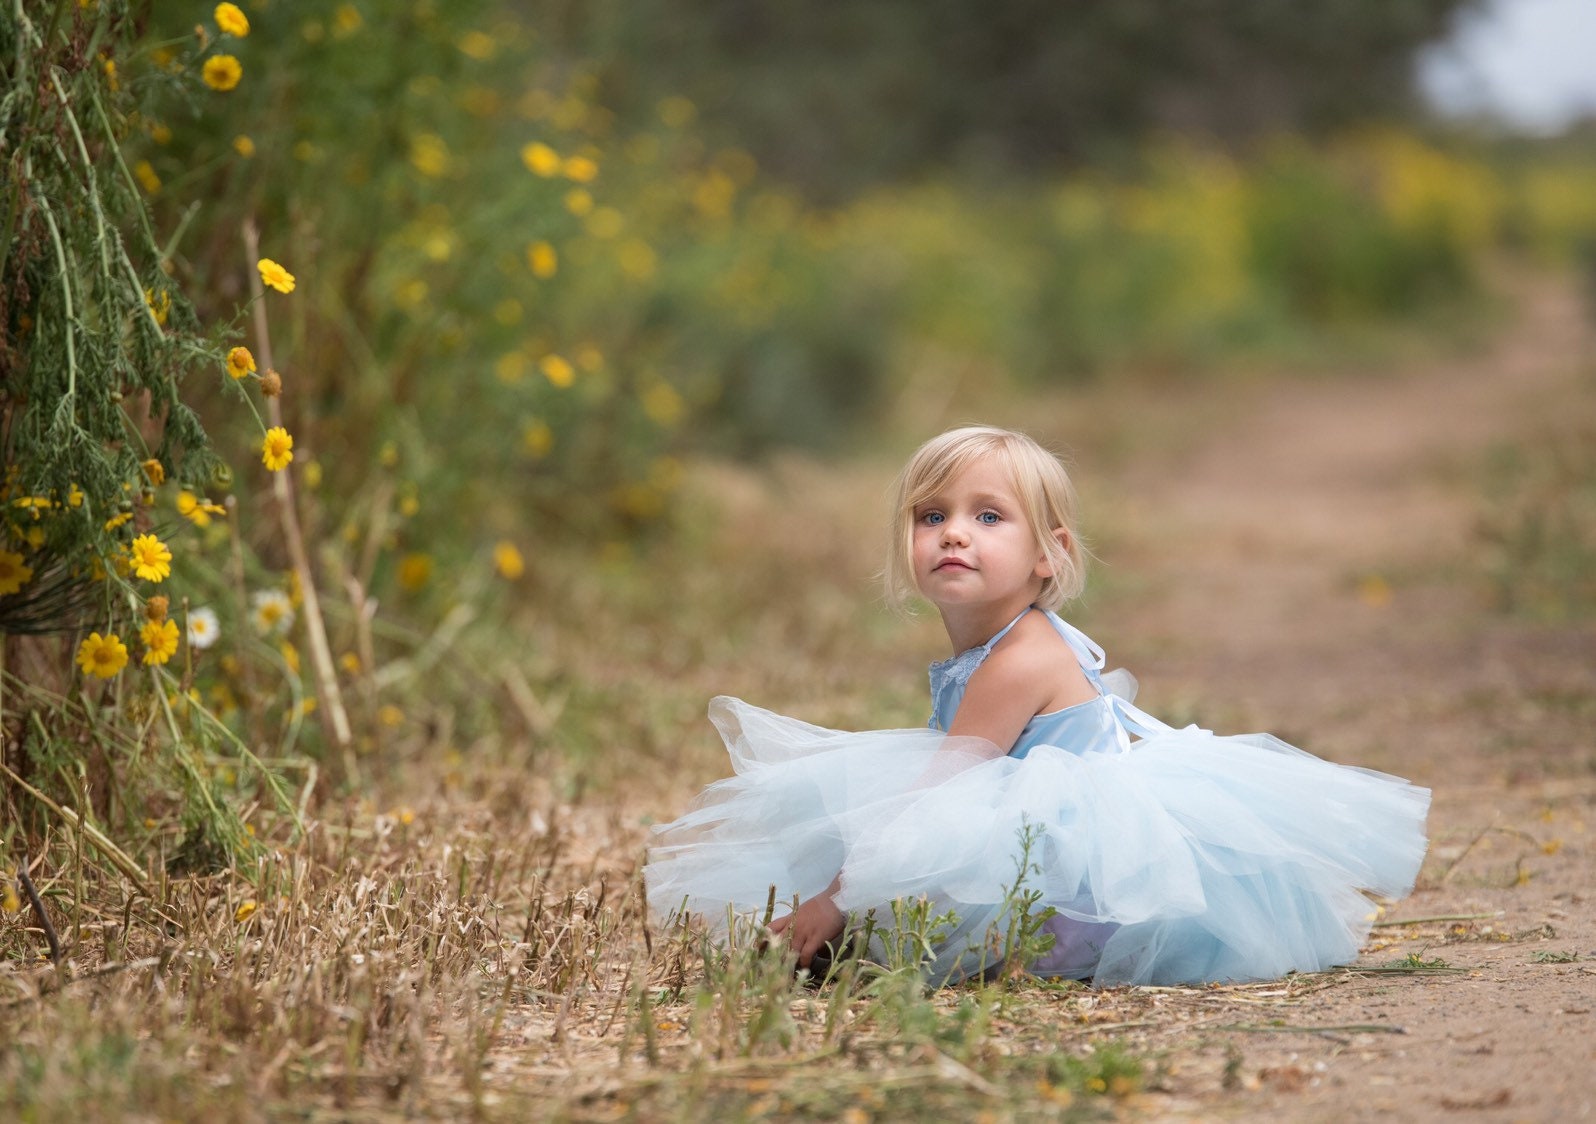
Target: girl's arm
point(1013, 685)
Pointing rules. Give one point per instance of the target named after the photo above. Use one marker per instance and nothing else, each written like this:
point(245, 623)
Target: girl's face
point(973, 546)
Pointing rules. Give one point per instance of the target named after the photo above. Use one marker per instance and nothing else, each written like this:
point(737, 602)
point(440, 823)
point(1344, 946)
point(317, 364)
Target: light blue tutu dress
point(1168, 855)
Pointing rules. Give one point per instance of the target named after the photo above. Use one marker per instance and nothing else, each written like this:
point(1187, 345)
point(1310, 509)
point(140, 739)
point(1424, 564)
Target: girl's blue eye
point(933, 517)
point(989, 517)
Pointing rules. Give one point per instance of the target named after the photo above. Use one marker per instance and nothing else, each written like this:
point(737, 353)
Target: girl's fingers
point(779, 925)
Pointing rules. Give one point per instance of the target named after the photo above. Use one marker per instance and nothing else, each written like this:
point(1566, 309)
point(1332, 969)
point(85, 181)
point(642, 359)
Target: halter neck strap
point(1004, 631)
point(1087, 651)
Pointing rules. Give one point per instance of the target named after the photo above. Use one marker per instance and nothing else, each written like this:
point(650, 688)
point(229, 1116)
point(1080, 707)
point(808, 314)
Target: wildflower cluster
point(111, 496)
point(222, 71)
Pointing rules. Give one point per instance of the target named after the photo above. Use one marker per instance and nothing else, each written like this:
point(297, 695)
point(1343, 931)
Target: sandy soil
point(1310, 563)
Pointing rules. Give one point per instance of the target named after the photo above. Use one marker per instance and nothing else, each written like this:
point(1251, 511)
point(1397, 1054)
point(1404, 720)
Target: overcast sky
point(1530, 62)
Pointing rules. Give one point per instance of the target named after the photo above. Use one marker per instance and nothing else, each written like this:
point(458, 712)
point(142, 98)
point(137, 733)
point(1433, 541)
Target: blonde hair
point(1040, 482)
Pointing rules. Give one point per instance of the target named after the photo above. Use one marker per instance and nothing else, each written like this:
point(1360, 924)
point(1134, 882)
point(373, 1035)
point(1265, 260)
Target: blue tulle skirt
point(1189, 857)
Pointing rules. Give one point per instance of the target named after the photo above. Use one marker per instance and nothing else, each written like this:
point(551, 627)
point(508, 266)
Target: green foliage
point(842, 94)
point(1108, 1069)
point(95, 339)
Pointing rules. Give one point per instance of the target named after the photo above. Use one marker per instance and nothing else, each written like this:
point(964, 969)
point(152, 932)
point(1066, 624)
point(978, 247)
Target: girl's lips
point(952, 564)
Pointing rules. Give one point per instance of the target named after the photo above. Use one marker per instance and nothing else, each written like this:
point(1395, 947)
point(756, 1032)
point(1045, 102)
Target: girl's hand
point(811, 925)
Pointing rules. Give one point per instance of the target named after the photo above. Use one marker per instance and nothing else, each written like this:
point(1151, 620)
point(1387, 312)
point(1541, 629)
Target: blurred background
point(571, 274)
point(596, 331)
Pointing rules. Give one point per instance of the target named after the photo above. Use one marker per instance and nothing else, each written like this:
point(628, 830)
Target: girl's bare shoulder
point(1034, 660)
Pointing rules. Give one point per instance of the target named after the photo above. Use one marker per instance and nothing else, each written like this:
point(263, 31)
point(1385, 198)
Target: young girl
point(1168, 856)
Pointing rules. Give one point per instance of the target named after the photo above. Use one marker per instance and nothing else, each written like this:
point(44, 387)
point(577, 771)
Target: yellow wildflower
point(582, 169)
point(557, 370)
point(347, 20)
point(390, 715)
point(508, 561)
point(414, 572)
point(541, 160)
point(102, 656)
point(477, 44)
point(190, 507)
point(160, 305)
point(9, 902)
point(543, 260)
point(147, 178)
point(156, 607)
point(662, 404)
point(116, 521)
point(246, 909)
point(222, 72)
point(75, 496)
point(240, 362)
point(537, 439)
point(510, 367)
point(151, 560)
point(231, 21)
point(275, 275)
point(350, 663)
point(277, 449)
point(154, 471)
point(110, 74)
point(271, 383)
point(160, 641)
point(35, 537)
point(14, 572)
point(290, 656)
point(160, 133)
point(244, 146)
point(412, 294)
point(578, 201)
point(429, 155)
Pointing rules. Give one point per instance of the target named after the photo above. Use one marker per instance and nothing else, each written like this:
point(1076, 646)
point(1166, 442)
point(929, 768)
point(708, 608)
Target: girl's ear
point(1044, 567)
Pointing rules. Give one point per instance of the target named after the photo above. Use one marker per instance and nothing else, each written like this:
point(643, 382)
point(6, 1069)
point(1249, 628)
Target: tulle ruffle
point(1191, 857)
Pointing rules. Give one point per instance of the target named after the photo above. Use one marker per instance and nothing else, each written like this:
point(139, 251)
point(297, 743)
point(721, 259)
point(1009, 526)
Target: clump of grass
point(1538, 526)
point(1554, 957)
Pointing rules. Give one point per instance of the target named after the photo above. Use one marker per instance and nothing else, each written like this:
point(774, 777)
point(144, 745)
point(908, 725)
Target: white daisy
point(203, 628)
point(271, 612)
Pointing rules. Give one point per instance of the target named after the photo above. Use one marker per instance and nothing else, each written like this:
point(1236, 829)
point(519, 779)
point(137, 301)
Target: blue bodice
point(1100, 725)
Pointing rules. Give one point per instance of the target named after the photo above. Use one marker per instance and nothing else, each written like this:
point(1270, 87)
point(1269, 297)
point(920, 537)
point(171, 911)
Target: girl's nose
point(953, 533)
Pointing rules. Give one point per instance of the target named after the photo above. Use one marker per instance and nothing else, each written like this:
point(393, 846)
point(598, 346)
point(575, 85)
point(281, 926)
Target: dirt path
point(1309, 567)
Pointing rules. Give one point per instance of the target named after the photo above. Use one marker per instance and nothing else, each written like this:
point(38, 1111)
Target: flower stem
point(335, 720)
